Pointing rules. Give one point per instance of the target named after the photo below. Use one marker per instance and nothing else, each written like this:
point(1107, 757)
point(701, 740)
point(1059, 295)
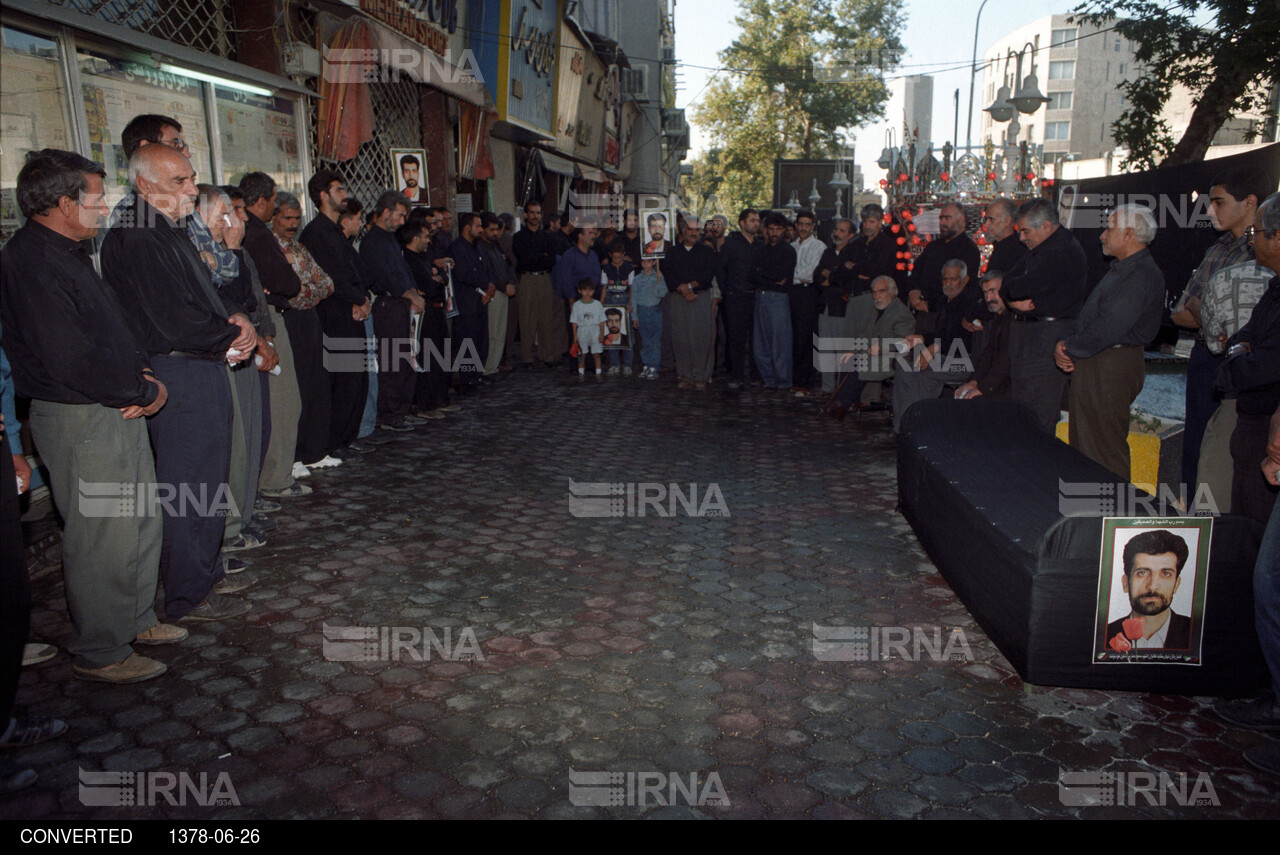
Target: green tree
point(797, 75)
point(1225, 63)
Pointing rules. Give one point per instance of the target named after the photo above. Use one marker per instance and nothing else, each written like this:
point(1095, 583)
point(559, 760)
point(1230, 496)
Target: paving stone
point(671, 644)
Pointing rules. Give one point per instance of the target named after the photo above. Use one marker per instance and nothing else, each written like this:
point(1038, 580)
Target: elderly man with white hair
point(1103, 353)
point(189, 330)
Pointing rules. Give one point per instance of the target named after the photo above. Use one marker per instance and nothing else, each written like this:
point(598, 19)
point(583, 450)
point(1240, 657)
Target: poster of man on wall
point(1151, 590)
point(410, 166)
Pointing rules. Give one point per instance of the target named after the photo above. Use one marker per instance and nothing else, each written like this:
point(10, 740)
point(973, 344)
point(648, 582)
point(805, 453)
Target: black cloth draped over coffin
point(979, 481)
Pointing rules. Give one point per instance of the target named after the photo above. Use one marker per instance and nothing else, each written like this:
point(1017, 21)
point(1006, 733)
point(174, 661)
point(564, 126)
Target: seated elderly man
point(879, 321)
point(945, 359)
point(991, 366)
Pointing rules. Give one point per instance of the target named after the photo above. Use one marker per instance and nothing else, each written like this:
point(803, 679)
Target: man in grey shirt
point(1103, 353)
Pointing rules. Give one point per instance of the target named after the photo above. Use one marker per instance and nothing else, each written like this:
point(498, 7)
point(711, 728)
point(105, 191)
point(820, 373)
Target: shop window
point(260, 134)
point(116, 90)
point(33, 112)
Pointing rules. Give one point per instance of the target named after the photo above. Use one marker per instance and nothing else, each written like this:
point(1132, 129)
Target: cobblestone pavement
point(679, 646)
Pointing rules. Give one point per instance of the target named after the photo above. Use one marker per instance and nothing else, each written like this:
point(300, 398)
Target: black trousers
point(431, 390)
point(396, 377)
point(470, 340)
point(739, 311)
point(307, 341)
point(806, 305)
point(191, 436)
point(15, 586)
point(1251, 495)
point(347, 389)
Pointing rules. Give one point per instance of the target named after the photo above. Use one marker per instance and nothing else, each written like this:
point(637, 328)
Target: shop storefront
point(73, 81)
point(400, 81)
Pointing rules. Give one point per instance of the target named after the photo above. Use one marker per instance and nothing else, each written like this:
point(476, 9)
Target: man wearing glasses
point(151, 129)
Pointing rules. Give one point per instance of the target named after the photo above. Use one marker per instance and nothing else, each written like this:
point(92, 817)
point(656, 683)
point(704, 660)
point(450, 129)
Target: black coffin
point(979, 483)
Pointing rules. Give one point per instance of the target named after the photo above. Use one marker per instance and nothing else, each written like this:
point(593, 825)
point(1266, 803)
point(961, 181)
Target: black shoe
point(359, 446)
point(31, 729)
point(217, 607)
point(396, 426)
point(250, 531)
point(266, 506)
point(1265, 757)
point(378, 437)
point(262, 522)
point(1257, 714)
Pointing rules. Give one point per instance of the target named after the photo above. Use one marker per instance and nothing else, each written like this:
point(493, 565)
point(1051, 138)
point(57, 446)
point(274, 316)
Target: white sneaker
point(626, 372)
point(613, 371)
point(300, 471)
point(325, 462)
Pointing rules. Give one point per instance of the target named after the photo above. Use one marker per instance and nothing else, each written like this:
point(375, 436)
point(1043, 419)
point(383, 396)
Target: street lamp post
point(973, 72)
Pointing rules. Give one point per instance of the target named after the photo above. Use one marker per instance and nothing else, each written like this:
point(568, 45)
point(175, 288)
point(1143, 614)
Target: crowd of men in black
point(213, 351)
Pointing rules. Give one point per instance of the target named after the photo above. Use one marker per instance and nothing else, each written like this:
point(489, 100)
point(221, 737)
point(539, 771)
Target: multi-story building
point(1079, 67)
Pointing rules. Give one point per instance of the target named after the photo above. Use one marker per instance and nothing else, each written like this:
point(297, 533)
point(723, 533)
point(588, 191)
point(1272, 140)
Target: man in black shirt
point(688, 268)
point(504, 280)
point(383, 270)
point(998, 228)
point(773, 266)
point(737, 257)
point(1045, 291)
point(872, 251)
point(473, 288)
point(190, 330)
point(431, 391)
point(541, 319)
point(342, 313)
point(73, 353)
point(836, 275)
point(925, 288)
point(1252, 369)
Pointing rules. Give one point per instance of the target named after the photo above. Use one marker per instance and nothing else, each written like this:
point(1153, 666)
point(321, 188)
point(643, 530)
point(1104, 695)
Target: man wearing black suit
point(1153, 564)
point(473, 289)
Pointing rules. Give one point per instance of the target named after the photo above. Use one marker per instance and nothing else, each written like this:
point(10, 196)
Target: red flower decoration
point(946, 176)
point(901, 241)
point(902, 176)
point(888, 219)
point(991, 176)
point(884, 182)
point(901, 266)
point(981, 241)
point(1120, 644)
point(895, 228)
point(1135, 627)
point(911, 227)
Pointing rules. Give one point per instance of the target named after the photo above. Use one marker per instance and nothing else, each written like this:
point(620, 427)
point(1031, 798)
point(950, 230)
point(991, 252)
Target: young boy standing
point(616, 275)
point(587, 318)
point(647, 290)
